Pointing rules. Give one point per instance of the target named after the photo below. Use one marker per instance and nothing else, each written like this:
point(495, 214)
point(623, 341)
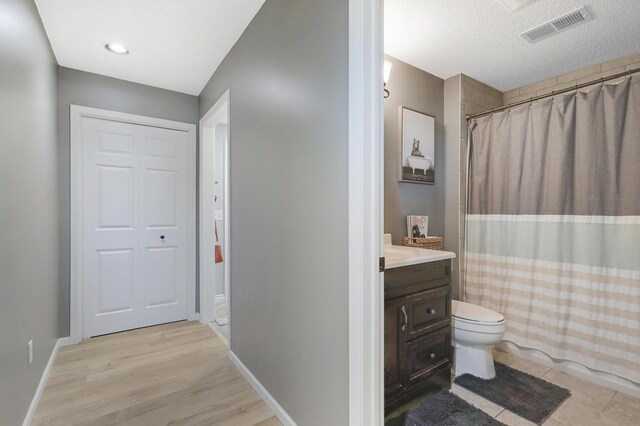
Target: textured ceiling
point(174, 45)
point(481, 38)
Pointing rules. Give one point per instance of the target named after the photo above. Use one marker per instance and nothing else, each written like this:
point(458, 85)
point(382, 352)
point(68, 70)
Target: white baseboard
point(218, 333)
point(64, 341)
point(264, 394)
point(600, 378)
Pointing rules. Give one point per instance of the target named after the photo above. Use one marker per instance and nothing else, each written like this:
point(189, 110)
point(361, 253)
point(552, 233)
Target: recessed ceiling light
point(516, 4)
point(116, 48)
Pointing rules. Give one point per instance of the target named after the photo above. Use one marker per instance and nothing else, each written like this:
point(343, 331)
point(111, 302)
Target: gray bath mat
point(446, 408)
point(521, 393)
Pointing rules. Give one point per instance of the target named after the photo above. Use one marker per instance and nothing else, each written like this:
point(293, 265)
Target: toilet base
point(475, 360)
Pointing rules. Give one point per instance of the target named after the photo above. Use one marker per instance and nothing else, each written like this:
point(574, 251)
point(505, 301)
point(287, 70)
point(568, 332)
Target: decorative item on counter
point(418, 231)
point(417, 226)
point(433, 243)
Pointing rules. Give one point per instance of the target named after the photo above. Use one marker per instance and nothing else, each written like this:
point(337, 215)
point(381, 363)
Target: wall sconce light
point(385, 74)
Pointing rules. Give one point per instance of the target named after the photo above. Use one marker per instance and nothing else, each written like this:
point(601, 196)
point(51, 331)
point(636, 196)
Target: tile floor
point(589, 404)
point(222, 316)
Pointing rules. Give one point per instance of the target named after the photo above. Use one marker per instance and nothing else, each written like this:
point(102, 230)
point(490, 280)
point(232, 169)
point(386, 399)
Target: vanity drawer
point(425, 354)
point(414, 278)
point(428, 311)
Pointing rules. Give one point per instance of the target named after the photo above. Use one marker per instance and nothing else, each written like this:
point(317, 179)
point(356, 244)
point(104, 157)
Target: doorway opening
point(215, 294)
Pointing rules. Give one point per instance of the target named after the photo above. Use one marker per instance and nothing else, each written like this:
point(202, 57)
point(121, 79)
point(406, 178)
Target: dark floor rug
point(446, 408)
point(521, 393)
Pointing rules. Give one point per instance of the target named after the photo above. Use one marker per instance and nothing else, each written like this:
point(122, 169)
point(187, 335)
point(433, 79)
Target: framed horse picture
point(416, 146)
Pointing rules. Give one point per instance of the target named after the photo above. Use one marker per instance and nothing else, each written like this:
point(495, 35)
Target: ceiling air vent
point(558, 25)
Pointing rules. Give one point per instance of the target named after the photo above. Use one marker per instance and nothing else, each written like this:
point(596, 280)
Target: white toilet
point(475, 330)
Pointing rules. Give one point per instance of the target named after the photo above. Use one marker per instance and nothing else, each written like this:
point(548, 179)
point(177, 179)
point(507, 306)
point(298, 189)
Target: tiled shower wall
point(570, 79)
point(463, 95)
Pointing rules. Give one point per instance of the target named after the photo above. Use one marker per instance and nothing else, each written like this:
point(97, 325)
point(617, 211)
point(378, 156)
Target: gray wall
point(97, 91)
point(288, 81)
point(28, 206)
point(421, 91)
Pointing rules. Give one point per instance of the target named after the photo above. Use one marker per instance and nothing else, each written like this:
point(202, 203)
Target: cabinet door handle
point(432, 355)
point(406, 319)
point(431, 311)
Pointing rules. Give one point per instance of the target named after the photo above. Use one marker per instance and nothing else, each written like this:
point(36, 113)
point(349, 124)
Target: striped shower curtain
point(553, 225)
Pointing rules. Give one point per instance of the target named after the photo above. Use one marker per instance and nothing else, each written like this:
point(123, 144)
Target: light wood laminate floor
point(171, 374)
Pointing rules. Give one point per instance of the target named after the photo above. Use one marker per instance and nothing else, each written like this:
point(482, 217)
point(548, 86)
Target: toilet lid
point(471, 312)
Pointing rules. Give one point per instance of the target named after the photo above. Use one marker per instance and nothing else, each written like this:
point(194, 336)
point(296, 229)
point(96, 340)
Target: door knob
point(432, 355)
point(162, 237)
point(431, 311)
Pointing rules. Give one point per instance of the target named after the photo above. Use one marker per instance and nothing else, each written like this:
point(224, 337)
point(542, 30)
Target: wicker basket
point(433, 243)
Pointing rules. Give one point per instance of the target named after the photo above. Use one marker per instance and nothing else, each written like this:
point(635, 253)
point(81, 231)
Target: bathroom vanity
point(417, 331)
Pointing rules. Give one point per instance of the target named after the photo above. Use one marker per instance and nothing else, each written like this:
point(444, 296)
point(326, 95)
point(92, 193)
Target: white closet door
point(110, 213)
point(134, 190)
point(164, 219)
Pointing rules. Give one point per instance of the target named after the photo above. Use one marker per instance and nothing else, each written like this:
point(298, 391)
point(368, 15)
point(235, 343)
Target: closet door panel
point(110, 227)
point(164, 190)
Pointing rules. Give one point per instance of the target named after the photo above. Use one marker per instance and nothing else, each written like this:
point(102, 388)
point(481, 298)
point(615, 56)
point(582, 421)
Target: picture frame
point(417, 226)
point(416, 146)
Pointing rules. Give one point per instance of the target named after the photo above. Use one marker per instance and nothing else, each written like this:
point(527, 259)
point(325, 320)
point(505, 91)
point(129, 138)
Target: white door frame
point(77, 113)
point(219, 113)
point(366, 209)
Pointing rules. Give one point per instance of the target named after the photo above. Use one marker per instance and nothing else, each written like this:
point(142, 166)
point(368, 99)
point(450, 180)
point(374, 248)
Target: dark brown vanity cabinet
point(417, 331)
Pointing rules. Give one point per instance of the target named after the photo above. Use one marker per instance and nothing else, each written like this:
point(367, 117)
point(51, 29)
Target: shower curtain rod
point(555, 92)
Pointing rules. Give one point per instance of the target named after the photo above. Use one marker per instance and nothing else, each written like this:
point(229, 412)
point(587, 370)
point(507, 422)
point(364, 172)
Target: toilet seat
point(478, 327)
point(474, 313)
point(467, 316)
